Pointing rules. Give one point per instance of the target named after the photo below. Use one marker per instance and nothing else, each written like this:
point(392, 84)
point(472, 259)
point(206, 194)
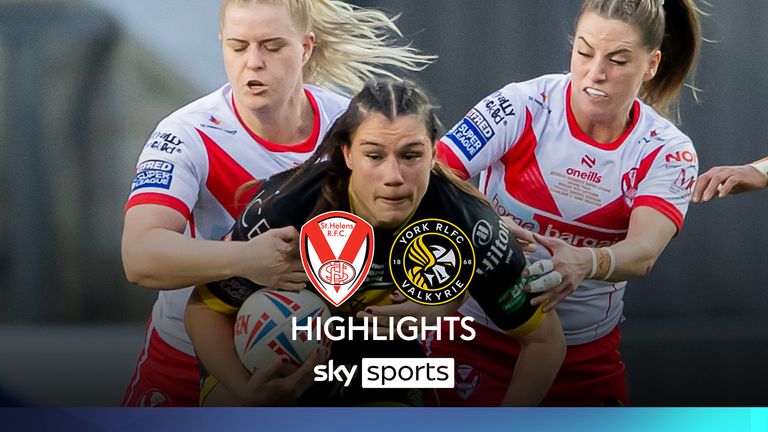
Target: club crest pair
point(431, 261)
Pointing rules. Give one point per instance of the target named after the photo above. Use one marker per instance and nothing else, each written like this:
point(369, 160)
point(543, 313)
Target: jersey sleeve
point(497, 285)
point(275, 204)
point(485, 133)
point(669, 181)
point(166, 173)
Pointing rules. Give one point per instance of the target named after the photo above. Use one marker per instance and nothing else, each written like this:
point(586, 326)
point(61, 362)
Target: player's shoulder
point(457, 203)
point(654, 129)
point(207, 109)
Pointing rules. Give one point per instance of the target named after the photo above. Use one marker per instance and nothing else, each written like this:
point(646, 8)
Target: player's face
point(264, 54)
point(390, 164)
point(608, 65)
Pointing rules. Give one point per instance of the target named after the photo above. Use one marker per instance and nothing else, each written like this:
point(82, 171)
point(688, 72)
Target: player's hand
point(272, 259)
point(267, 387)
point(728, 180)
point(523, 236)
point(542, 276)
point(573, 263)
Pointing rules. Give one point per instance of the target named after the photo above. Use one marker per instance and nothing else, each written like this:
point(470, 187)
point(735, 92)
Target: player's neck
point(287, 124)
point(603, 130)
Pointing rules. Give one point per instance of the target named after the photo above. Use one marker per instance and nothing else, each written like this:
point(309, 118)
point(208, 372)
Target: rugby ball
point(263, 327)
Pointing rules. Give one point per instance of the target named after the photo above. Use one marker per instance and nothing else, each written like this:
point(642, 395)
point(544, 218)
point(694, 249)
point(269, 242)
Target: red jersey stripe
point(662, 206)
point(159, 199)
point(225, 176)
point(446, 156)
point(522, 177)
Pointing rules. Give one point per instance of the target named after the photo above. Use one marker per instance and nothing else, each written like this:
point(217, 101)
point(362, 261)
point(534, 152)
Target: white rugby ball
point(263, 327)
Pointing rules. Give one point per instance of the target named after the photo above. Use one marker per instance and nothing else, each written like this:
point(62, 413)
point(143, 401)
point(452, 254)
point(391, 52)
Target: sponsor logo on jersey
point(590, 176)
point(482, 233)
point(575, 239)
point(215, 123)
point(541, 101)
point(498, 107)
point(589, 161)
point(683, 184)
point(652, 136)
point(153, 173)
point(165, 142)
point(432, 261)
point(472, 133)
point(680, 159)
point(336, 252)
point(498, 252)
point(235, 289)
point(530, 225)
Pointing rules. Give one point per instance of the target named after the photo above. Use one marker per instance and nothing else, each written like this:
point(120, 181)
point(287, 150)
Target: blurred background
point(83, 83)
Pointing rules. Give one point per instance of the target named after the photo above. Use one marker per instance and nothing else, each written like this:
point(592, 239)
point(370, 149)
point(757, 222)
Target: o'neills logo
point(590, 176)
point(432, 261)
point(336, 252)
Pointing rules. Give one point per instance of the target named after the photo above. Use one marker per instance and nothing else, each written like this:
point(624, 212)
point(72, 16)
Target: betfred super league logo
point(336, 251)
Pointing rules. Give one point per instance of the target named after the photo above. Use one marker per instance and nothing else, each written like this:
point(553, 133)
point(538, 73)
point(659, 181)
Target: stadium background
point(85, 82)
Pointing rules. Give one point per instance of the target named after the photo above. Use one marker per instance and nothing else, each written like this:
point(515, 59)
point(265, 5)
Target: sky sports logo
point(377, 373)
point(391, 373)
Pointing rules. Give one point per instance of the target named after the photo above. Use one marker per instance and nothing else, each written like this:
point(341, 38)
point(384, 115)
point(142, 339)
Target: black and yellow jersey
point(290, 199)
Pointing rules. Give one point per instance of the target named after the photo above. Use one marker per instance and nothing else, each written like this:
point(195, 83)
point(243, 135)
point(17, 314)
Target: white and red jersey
point(195, 161)
point(540, 168)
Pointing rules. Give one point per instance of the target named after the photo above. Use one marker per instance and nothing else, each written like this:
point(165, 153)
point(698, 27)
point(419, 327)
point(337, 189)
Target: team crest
point(629, 185)
point(432, 261)
point(336, 251)
point(466, 380)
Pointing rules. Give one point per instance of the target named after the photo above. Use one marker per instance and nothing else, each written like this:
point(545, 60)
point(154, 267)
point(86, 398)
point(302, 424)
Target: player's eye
point(412, 155)
point(273, 47)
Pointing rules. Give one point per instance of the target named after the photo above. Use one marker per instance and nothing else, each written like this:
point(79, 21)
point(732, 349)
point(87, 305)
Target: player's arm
point(212, 334)
point(541, 354)
point(485, 133)
point(157, 255)
point(721, 181)
point(649, 233)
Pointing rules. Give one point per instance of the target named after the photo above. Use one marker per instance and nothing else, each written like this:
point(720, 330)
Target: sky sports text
point(379, 373)
point(382, 328)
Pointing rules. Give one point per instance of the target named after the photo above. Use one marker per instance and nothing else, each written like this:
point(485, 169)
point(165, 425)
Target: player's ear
point(653, 65)
point(308, 46)
point(346, 150)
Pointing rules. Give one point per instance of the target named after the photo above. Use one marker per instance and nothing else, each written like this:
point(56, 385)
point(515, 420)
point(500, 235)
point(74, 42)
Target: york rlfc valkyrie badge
point(336, 251)
point(432, 261)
